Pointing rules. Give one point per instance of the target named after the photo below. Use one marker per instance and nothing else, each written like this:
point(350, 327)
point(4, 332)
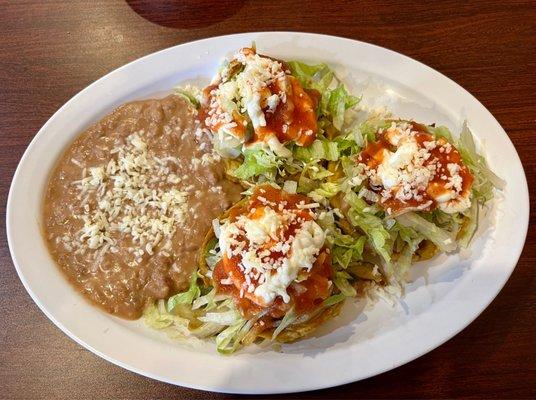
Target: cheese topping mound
point(129, 200)
point(411, 170)
point(271, 245)
point(255, 100)
point(248, 92)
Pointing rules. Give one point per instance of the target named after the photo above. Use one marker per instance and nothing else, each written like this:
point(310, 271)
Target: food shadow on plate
point(334, 332)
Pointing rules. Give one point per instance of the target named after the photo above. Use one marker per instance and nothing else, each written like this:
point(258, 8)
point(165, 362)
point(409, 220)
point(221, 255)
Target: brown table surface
point(51, 50)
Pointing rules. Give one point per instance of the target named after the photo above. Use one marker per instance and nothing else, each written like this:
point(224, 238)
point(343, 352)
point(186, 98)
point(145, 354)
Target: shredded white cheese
point(407, 173)
point(248, 92)
point(130, 199)
point(267, 277)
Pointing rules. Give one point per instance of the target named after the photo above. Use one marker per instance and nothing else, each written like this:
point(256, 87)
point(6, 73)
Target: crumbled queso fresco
point(256, 237)
point(408, 169)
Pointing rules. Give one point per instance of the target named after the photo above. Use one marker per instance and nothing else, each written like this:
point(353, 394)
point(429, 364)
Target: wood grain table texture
point(50, 50)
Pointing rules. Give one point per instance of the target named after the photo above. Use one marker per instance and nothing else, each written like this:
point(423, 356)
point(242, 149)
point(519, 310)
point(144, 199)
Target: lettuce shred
point(190, 93)
point(334, 98)
point(470, 226)
point(441, 238)
point(341, 280)
point(287, 320)
point(257, 162)
point(334, 299)
point(485, 179)
point(372, 225)
point(320, 149)
point(157, 317)
point(187, 297)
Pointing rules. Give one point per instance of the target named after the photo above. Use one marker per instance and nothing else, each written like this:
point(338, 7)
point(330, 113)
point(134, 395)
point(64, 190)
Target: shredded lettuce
point(208, 301)
point(375, 230)
point(306, 185)
point(231, 338)
point(176, 327)
point(158, 318)
point(320, 149)
point(370, 224)
point(288, 319)
point(257, 162)
point(441, 132)
point(290, 186)
point(186, 297)
point(344, 248)
point(316, 171)
point(353, 174)
point(347, 249)
point(347, 145)
point(222, 318)
point(441, 238)
point(485, 179)
point(334, 299)
point(359, 136)
point(366, 131)
point(190, 93)
point(228, 340)
point(316, 77)
point(227, 145)
point(213, 256)
point(326, 191)
point(407, 243)
point(470, 225)
point(341, 280)
point(211, 252)
point(226, 324)
point(401, 269)
point(334, 104)
point(206, 330)
point(366, 271)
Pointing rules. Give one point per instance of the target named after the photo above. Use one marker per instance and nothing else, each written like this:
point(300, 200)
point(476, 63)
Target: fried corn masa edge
point(292, 332)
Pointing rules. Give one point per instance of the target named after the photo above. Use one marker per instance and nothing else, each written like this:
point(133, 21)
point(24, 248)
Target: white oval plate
point(445, 296)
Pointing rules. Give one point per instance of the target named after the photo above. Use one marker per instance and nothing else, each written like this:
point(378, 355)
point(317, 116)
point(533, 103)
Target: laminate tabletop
point(50, 50)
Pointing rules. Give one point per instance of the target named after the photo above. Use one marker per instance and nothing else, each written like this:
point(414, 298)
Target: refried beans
point(129, 203)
